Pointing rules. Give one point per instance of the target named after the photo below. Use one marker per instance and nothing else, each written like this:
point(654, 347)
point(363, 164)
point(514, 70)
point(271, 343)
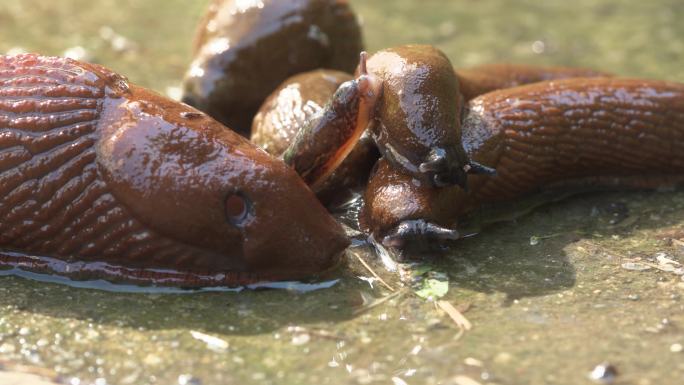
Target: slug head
point(298, 100)
point(323, 144)
point(418, 121)
point(192, 180)
point(400, 210)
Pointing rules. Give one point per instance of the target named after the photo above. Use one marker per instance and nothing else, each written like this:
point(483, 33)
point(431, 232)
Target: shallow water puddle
point(548, 296)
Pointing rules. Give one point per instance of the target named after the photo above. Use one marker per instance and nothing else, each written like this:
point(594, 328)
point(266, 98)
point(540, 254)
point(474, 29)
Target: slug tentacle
point(475, 168)
point(418, 230)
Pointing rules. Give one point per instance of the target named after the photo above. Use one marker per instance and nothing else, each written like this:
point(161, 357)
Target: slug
point(417, 127)
point(245, 49)
point(565, 134)
point(324, 142)
point(102, 179)
point(297, 101)
point(317, 122)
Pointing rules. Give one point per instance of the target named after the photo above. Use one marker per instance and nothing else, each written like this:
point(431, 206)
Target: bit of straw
point(316, 333)
point(380, 301)
point(459, 319)
point(464, 380)
point(390, 288)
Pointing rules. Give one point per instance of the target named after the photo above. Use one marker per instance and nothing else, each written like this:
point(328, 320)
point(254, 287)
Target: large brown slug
point(600, 132)
point(417, 127)
point(102, 179)
point(245, 49)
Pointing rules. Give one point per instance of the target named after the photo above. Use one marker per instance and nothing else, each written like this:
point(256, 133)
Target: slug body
point(245, 49)
point(482, 79)
point(565, 134)
point(99, 179)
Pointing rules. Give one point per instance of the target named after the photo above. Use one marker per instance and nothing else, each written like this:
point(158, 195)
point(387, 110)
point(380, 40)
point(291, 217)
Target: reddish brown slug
point(245, 49)
point(99, 178)
point(596, 132)
point(417, 127)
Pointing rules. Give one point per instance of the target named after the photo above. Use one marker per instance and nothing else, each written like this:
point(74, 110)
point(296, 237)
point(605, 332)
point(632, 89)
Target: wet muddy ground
point(549, 296)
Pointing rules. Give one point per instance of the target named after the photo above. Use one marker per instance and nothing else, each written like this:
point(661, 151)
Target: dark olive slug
point(245, 49)
point(399, 208)
point(99, 178)
point(565, 134)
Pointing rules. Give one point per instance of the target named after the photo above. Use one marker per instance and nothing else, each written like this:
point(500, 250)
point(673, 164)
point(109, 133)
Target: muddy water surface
point(550, 295)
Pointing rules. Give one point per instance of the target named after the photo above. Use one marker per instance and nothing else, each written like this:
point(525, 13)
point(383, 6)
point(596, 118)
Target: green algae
point(543, 312)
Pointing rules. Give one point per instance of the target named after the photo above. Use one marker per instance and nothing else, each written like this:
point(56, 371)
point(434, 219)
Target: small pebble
point(16, 51)
point(152, 360)
point(186, 379)
point(470, 361)
point(635, 266)
point(604, 373)
point(213, 343)
point(538, 47)
point(464, 380)
point(676, 348)
point(77, 53)
point(503, 358)
point(301, 339)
